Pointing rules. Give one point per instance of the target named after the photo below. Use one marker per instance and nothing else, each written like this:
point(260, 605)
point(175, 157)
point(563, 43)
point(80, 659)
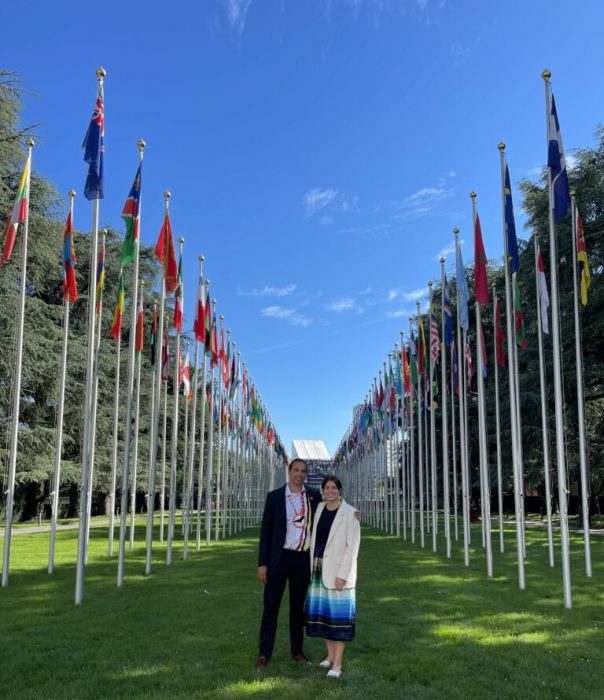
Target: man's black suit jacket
point(274, 525)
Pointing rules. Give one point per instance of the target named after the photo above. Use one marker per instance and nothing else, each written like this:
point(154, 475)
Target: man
point(284, 556)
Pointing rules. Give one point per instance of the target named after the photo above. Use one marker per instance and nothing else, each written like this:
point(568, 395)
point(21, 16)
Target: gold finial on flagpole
point(167, 195)
point(473, 194)
point(501, 146)
point(181, 240)
point(201, 258)
point(546, 75)
point(72, 194)
point(101, 73)
point(141, 144)
point(573, 194)
point(30, 142)
point(456, 231)
point(441, 260)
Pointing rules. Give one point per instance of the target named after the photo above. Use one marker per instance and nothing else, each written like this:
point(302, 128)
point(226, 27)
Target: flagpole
point(185, 463)
point(135, 446)
point(420, 455)
point(445, 415)
point(219, 440)
point(162, 495)
point(580, 399)
point(514, 398)
point(412, 447)
point(56, 480)
point(558, 398)
point(544, 412)
point(174, 460)
point(225, 471)
point(185, 550)
point(153, 433)
point(432, 433)
point(130, 391)
point(203, 425)
point(463, 453)
point(454, 447)
point(497, 424)
point(210, 474)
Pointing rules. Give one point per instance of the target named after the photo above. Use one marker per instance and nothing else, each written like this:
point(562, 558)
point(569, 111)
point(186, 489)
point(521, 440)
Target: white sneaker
point(332, 673)
point(326, 663)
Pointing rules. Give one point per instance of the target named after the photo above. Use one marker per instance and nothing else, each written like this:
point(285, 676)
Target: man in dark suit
point(284, 556)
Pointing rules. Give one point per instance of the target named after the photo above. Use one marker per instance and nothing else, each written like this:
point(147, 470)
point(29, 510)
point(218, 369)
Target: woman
point(330, 602)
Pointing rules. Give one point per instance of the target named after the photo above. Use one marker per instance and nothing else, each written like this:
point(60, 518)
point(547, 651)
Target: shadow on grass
point(427, 626)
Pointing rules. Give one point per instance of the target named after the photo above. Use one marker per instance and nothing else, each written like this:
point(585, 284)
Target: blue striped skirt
point(330, 614)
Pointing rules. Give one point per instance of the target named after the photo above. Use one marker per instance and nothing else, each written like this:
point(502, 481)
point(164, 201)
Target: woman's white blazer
point(342, 549)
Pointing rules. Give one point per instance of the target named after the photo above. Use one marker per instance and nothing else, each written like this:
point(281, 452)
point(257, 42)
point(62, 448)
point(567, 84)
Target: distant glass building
point(315, 454)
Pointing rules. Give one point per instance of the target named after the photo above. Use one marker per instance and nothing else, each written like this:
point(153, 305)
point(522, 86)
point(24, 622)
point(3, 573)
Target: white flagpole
point(558, 398)
point(186, 514)
point(514, 398)
point(482, 427)
point(174, 459)
point(56, 479)
point(405, 483)
point(420, 454)
point(116, 412)
point(202, 431)
point(217, 506)
point(544, 414)
point(498, 425)
point(153, 431)
point(412, 447)
point(585, 490)
point(432, 433)
point(14, 426)
point(463, 451)
point(395, 440)
point(454, 448)
point(130, 390)
point(185, 463)
point(445, 415)
point(210, 470)
point(162, 495)
point(225, 471)
point(136, 424)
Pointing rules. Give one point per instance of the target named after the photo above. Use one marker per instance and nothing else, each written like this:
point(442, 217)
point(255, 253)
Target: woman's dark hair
point(334, 478)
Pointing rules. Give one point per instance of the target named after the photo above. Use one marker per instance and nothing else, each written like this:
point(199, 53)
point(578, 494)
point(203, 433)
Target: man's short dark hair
point(334, 478)
point(297, 459)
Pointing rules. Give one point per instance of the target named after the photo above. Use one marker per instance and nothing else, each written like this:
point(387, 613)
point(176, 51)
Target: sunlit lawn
point(427, 627)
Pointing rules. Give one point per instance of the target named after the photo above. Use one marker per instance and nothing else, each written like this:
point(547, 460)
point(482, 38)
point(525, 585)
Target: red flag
point(178, 300)
point(70, 289)
point(406, 373)
point(500, 338)
point(481, 282)
point(199, 326)
point(164, 252)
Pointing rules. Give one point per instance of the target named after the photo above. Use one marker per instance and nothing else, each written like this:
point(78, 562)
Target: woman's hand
point(340, 584)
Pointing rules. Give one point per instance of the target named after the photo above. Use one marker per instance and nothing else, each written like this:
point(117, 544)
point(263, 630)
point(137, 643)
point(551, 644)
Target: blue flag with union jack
point(94, 150)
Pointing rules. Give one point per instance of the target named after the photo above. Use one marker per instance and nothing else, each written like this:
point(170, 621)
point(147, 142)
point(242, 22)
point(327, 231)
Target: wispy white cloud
point(448, 250)
point(236, 14)
point(393, 293)
point(415, 294)
point(268, 291)
point(272, 348)
point(343, 304)
point(460, 53)
point(399, 313)
point(317, 199)
point(290, 315)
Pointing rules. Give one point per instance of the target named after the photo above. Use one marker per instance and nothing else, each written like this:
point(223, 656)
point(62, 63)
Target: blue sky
point(319, 154)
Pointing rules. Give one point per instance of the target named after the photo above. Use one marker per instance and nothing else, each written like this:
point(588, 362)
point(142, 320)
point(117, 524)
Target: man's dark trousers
point(295, 568)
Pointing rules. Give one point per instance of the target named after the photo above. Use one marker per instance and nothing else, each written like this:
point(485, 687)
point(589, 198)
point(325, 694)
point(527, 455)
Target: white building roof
point(310, 450)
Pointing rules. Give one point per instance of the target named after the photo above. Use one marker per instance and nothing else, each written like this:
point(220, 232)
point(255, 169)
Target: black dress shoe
point(262, 663)
point(300, 658)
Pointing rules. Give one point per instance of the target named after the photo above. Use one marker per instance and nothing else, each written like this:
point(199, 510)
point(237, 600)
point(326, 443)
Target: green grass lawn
point(426, 628)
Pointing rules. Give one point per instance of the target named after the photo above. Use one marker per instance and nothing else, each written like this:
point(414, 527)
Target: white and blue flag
point(556, 164)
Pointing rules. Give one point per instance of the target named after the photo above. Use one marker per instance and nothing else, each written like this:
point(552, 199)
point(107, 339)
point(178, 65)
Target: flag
point(481, 283)
point(469, 361)
point(582, 259)
point(557, 164)
point(200, 318)
point(100, 278)
point(422, 347)
point(448, 316)
point(165, 360)
point(462, 290)
point(18, 215)
point(413, 362)
point(518, 317)
point(118, 313)
point(434, 339)
point(164, 252)
point(70, 289)
point(499, 336)
point(131, 217)
point(208, 325)
point(186, 377)
point(454, 369)
point(485, 357)
point(406, 373)
point(153, 342)
point(139, 340)
point(510, 226)
point(543, 293)
point(94, 150)
point(178, 299)
point(214, 343)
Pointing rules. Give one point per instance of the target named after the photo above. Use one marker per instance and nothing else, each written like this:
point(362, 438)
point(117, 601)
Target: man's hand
point(340, 584)
point(262, 574)
point(357, 515)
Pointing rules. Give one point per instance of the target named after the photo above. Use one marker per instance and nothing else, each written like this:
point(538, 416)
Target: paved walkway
point(46, 528)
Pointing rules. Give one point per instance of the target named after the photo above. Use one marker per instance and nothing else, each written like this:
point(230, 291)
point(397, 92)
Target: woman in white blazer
point(334, 547)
